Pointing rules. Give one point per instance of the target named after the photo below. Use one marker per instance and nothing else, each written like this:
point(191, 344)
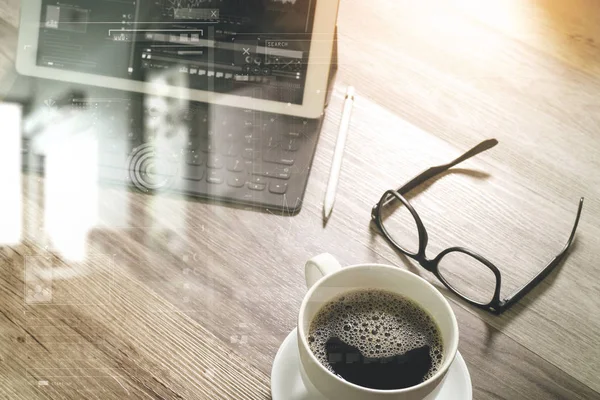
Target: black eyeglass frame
point(496, 305)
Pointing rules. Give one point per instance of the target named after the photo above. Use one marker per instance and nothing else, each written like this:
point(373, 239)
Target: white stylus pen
point(338, 156)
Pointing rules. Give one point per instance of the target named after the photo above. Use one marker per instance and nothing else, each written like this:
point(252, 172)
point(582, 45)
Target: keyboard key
point(194, 159)
point(272, 171)
point(251, 153)
point(132, 136)
point(230, 136)
point(235, 165)
point(256, 186)
point(272, 142)
point(214, 177)
point(230, 150)
point(193, 143)
point(193, 131)
point(291, 145)
point(236, 181)
point(188, 115)
point(299, 127)
point(215, 162)
point(251, 140)
point(261, 180)
point(249, 126)
point(280, 157)
point(202, 120)
point(278, 188)
point(193, 173)
point(208, 146)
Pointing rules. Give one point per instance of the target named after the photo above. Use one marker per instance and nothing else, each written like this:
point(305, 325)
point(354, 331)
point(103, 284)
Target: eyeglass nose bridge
point(429, 265)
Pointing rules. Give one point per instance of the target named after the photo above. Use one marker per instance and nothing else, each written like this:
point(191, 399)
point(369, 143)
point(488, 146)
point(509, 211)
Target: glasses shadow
point(426, 185)
point(411, 265)
point(499, 323)
point(494, 324)
point(462, 171)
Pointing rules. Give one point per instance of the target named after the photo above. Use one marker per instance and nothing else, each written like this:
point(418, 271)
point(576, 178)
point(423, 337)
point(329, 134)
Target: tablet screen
point(256, 48)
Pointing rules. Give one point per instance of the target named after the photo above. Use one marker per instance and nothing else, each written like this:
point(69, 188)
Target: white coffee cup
point(326, 279)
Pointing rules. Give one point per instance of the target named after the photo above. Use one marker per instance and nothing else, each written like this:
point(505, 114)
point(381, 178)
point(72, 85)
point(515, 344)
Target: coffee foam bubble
point(379, 324)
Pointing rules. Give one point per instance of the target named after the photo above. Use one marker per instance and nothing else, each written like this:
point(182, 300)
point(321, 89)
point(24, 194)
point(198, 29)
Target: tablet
point(267, 55)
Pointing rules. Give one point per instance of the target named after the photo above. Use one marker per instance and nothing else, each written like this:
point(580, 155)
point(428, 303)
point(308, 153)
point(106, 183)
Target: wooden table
point(184, 299)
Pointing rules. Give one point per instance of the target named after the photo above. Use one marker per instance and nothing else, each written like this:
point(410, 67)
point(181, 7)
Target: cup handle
point(320, 266)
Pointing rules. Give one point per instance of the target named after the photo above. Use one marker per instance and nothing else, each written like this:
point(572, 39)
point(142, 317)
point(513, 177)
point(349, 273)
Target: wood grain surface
point(184, 299)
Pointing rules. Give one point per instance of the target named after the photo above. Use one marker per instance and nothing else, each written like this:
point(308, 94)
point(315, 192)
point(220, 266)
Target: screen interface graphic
point(256, 48)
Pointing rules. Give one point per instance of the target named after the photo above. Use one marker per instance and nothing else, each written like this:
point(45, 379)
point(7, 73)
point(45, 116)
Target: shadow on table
point(500, 322)
point(497, 323)
point(374, 231)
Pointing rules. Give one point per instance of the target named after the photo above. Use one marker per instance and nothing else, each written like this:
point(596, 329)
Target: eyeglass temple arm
point(518, 295)
point(433, 171)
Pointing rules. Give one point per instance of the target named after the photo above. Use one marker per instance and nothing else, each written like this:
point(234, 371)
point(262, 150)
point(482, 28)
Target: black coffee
point(377, 339)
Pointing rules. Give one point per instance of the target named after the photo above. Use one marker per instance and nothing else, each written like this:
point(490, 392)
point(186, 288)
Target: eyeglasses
point(464, 272)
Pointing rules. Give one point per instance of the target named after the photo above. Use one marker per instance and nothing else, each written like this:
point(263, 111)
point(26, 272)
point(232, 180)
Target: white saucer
point(286, 382)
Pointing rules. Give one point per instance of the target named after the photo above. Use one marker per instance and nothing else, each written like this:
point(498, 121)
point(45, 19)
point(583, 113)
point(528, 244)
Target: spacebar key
point(272, 171)
point(280, 157)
